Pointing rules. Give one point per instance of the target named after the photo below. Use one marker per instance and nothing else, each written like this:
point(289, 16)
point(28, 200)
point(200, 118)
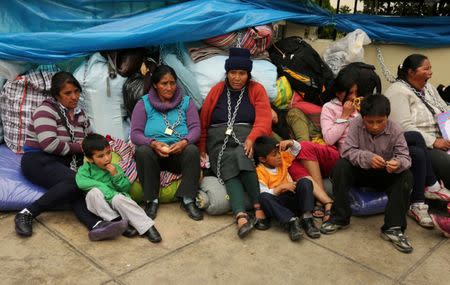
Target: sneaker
point(442, 224)
point(295, 230)
point(442, 194)
point(330, 228)
point(108, 230)
point(24, 224)
point(398, 239)
point(310, 229)
point(419, 212)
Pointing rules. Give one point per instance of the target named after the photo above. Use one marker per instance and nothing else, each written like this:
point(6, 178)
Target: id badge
point(168, 131)
point(228, 131)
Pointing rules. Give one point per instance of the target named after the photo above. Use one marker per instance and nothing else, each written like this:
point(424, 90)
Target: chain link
point(387, 74)
point(435, 103)
point(229, 131)
point(177, 122)
point(73, 163)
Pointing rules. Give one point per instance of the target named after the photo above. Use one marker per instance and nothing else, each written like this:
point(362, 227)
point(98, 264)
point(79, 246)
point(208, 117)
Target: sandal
point(326, 213)
point(318, 211)
point(246, 228)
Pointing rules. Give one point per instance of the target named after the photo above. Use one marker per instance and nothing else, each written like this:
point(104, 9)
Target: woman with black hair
point(415, 104)
point(165, 127)
point(52, 155)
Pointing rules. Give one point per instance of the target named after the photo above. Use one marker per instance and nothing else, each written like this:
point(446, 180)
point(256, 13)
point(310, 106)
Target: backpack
point(367, 79)
point(304, 68)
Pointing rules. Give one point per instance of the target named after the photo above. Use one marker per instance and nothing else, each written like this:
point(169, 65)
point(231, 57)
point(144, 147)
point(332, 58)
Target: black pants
point(285, 206)
point(53, 173)
point(440, 160)
point(149, 164)
point(396, 185)
point(421, 165)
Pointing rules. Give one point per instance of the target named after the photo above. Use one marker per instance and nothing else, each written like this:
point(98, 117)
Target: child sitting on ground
point(374, 154)
point(281, 198)
point(107, 188)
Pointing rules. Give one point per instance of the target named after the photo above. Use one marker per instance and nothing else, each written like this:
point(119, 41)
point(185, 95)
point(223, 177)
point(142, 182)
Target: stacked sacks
point(102, 98)
point(197, 78)
point(19, 98)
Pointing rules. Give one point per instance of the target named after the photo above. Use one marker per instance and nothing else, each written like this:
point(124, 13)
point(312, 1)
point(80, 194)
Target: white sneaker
point(419, 212)
point(442, 194)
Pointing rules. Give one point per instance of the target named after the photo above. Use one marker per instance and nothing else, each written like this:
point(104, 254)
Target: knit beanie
point(239, 59)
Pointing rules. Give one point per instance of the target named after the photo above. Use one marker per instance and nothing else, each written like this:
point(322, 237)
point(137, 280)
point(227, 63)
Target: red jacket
point(258, 98)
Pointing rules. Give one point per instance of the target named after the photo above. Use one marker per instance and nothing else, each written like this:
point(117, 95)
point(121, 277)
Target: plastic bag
point(11, 69)
point(346, 50)
point(133, 90)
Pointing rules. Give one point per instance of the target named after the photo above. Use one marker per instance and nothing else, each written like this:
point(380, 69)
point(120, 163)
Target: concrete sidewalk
point(209, 252)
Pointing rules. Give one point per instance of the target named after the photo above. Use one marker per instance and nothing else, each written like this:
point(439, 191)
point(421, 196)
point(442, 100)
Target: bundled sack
point(444, 92)
point(367, 79)
point(197, 79)
point(307, 73)
point(18, 100)
point(346, 50)
point(366, 201)
point(102, 98)
point(213, 198)
point(255, 39)
point(284, 94)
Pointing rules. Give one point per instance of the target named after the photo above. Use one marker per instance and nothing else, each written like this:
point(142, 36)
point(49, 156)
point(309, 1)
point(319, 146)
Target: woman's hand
point(284, 145)
point(274, 117)
point(162, 149)
point(347, 109)
point(248, 148)
point(178, 147)
point(441, 144)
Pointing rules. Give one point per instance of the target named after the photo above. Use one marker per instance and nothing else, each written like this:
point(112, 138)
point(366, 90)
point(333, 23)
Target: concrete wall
point(393, 55)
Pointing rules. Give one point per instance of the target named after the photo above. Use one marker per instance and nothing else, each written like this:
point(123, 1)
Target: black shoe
point(108, 230)
point(150, 209)
point(24, 224)
point(192, 211)
point(262, 224)
point(244, 230)
point(153, 235)
point(310, 228)
point(130, 232)
point(295, 230)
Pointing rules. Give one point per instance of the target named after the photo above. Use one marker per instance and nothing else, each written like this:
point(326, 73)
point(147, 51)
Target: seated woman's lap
point(325, 155)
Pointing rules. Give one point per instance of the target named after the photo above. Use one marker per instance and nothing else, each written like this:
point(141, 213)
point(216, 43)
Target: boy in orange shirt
point(281, 198)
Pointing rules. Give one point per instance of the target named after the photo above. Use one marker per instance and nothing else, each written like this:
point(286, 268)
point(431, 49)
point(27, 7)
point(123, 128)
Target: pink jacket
point(334, 133)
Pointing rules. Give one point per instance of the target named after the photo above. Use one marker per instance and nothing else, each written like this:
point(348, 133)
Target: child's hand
point(288, 186)
point(284, 145)
point(377, 162)
point(392, 165)
point(347, 109)
point(111, 169)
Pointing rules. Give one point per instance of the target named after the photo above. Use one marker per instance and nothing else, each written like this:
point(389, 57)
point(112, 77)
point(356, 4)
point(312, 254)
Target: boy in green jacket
point(107, 188)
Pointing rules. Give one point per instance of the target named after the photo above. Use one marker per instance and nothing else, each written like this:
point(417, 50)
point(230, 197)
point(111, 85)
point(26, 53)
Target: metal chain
point(387, 74)
point(177, 122)
point(229, 131)
point(419, 94)
point(73, 163)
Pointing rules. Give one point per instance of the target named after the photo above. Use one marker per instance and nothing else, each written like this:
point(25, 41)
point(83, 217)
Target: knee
point(94, 193)
point(265, 197)
point(144, 151)
point(417, 155)
point(414, 138)
point(191, 151)
point(118, 200)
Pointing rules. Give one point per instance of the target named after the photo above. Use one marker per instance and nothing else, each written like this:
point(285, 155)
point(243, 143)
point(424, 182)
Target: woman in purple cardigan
point(165, 127)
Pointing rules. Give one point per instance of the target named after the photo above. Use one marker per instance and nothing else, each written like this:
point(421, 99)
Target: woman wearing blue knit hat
point(235, 113)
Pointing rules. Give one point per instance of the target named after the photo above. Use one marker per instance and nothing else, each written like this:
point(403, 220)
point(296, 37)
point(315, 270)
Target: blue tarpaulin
point(47, 31)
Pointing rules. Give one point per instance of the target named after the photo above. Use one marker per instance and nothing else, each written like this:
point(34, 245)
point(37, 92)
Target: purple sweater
point(47, 132)
point(139, 119)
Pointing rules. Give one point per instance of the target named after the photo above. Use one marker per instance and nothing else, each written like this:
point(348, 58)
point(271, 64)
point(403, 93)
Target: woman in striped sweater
point(53, 153)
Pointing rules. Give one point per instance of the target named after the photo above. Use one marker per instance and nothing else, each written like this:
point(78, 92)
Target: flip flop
point(318, 211)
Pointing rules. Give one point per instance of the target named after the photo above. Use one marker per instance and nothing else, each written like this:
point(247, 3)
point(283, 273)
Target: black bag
point(367, 79)
point(444, 92)
point(133, 90)
point(304, 68)
point(124, 61)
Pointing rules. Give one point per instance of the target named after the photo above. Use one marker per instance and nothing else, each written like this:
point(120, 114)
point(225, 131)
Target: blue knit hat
point(239, 59)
